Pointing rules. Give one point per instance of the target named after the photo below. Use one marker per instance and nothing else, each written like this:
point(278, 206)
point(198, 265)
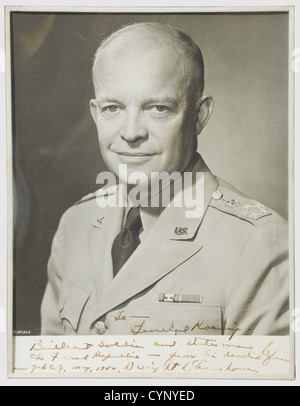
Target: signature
point(199, 326)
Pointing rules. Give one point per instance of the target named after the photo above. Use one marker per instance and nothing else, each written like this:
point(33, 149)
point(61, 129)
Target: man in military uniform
point(137, 269)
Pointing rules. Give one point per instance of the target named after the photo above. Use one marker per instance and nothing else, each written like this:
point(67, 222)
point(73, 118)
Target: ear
point(93, 109)
point(205, 107)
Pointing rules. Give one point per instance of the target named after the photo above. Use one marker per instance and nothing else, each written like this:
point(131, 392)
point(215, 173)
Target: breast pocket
point(199, 319)
point(178, 319)
point(72, 303)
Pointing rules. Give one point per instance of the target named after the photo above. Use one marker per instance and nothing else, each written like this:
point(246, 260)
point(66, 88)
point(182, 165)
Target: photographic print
point(151, 156)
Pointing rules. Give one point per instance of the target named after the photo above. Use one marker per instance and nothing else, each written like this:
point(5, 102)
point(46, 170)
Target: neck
point(160, 191)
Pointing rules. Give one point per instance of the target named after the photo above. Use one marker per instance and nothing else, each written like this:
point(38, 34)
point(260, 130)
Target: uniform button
point(217, 195)
point(100, 328)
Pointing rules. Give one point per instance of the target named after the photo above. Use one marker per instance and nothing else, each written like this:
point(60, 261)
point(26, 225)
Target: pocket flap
point(73, 301)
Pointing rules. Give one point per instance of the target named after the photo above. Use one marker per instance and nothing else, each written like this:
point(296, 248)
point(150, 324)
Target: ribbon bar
point(180, 298)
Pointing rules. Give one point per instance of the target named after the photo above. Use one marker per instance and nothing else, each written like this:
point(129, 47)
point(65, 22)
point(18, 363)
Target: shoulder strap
point(229, 200)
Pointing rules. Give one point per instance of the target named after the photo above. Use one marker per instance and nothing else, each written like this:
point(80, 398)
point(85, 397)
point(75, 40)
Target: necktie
point(127, 240)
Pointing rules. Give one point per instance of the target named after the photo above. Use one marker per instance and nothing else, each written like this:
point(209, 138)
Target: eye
point(159, 110)
point(110, 110)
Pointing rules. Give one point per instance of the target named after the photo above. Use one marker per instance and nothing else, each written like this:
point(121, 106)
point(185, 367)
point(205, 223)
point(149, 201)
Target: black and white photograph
point(151, 158)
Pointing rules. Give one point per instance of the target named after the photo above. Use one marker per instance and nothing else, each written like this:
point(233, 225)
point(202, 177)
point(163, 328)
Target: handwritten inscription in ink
point(169, 355)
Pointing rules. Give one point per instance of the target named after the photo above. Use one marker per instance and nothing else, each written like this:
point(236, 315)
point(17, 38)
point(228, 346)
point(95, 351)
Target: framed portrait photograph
point(151, 192)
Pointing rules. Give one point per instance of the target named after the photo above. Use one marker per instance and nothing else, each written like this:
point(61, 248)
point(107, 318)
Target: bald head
point(150, 43)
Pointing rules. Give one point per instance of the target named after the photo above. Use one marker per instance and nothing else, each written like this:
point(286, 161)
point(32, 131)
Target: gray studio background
point(56, 153)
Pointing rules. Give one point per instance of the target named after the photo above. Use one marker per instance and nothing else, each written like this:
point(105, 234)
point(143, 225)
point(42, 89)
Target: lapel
point(105, 225)
point(163, 250)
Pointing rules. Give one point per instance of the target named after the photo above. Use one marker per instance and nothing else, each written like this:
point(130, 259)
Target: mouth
point(134, 157)
point(135, 154)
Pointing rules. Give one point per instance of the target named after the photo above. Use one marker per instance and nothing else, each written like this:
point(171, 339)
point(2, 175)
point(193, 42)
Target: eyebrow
point(108, 100)
point(168, 100)
point(156, 101)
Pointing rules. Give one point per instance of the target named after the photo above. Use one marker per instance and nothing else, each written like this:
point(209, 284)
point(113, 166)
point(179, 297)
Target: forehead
point(141, 58)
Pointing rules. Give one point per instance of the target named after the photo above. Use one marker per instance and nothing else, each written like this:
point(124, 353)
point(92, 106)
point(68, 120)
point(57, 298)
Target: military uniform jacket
point(222, 274)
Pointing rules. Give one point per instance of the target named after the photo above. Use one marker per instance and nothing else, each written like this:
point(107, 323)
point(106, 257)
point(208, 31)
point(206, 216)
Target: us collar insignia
point(181, 230)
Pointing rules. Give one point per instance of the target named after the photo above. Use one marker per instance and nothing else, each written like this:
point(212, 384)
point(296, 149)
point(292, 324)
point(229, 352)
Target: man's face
point(143, 114)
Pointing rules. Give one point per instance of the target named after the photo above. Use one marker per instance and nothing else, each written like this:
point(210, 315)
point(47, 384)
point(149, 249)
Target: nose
point(134, 128)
